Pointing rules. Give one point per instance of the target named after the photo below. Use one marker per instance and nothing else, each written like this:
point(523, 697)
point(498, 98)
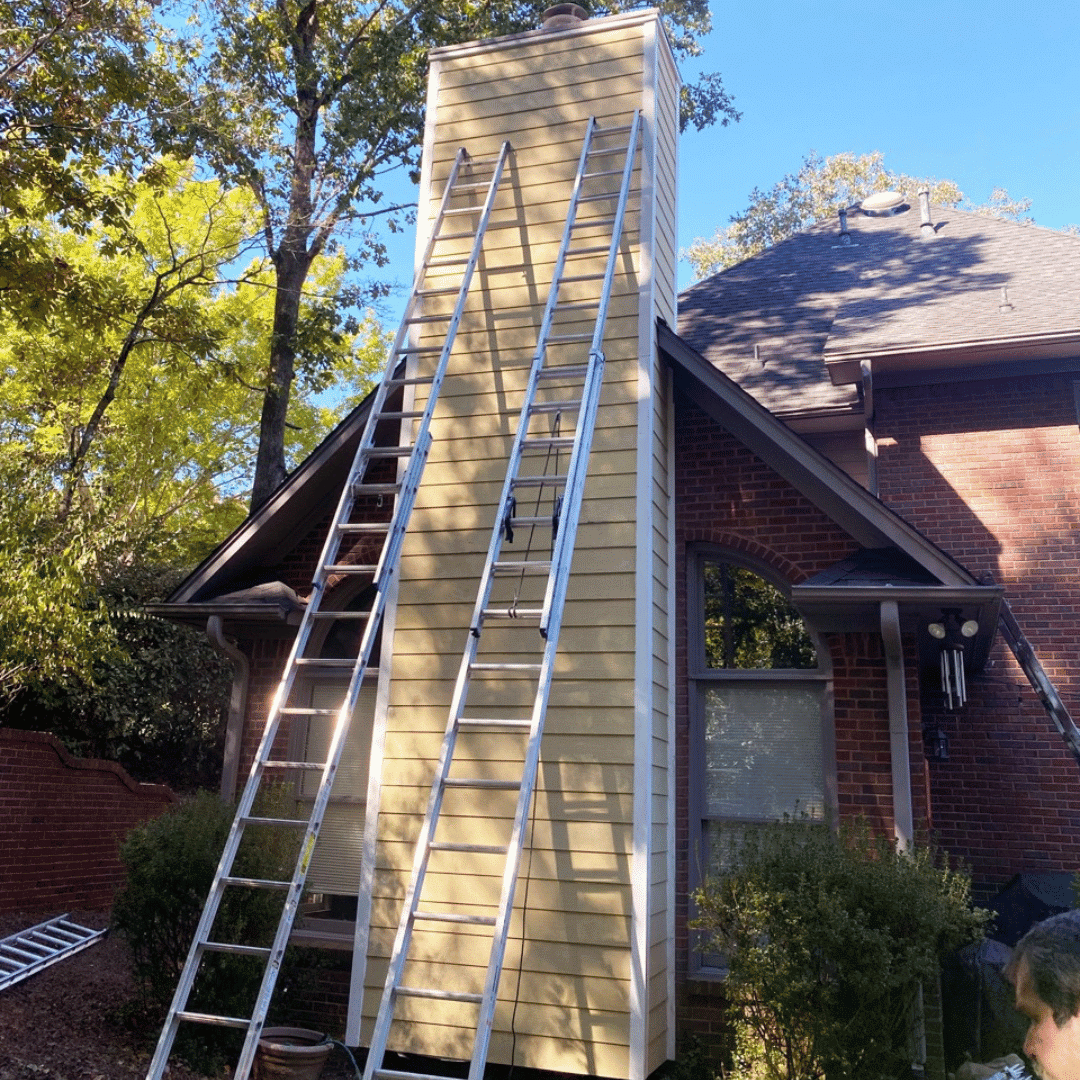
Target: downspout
point(869, 439)
point(237, 703)
point(903, 815)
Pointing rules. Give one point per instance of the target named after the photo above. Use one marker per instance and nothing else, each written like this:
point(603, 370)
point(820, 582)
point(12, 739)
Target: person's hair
point(1052, 951)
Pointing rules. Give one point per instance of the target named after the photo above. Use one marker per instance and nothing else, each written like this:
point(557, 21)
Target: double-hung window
point(760, 731)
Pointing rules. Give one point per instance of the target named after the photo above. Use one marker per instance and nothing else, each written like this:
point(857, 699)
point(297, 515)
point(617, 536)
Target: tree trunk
point(270, 472)
point(292, 260)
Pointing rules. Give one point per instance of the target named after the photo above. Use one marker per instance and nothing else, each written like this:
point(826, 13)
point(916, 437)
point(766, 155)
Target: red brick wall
point(990, 470)
point(62, 820)
point(728, 497)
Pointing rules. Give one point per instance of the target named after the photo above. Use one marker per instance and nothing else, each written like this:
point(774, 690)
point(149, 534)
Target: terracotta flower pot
point(288, 1053)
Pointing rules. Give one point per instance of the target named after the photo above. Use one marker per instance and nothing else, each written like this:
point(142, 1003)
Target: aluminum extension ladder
point(26, 953)
point(523, 592)
point(346, 552)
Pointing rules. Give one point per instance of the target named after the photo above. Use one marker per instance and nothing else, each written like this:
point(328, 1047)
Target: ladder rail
point(384, 569)
point(559, 578)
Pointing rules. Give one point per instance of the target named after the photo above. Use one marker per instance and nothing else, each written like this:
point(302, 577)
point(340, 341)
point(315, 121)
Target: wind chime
point(951, 632)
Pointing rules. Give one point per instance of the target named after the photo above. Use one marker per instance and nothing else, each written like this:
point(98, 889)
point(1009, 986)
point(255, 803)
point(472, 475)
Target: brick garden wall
point(62, 820)
point(990, 471)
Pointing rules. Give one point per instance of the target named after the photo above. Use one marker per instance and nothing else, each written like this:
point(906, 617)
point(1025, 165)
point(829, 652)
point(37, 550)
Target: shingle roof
point(811, 300)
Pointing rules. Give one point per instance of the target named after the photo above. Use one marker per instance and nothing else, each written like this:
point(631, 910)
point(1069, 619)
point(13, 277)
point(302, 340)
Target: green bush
point(170, 863)
point(828, 936)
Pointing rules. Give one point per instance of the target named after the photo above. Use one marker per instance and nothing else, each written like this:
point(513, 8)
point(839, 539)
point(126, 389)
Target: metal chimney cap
point(563, 16)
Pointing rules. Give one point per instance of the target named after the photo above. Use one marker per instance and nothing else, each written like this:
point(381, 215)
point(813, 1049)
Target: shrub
point(828, 936)
point(170, 863)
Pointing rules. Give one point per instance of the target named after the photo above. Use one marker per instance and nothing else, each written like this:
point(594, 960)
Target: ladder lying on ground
point(368, 478)
point(26, 953)
point(521, 592)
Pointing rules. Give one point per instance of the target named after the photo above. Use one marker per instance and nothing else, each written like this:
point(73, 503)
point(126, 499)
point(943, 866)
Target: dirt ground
point(65, 1023)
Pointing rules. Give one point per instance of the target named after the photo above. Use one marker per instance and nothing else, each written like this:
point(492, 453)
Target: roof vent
point(883, 204)
point(563, 16)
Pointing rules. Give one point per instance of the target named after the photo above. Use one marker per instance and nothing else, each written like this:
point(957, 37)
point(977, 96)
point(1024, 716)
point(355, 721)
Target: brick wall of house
point(989, 470)
point(727, 496)
point(62, 820)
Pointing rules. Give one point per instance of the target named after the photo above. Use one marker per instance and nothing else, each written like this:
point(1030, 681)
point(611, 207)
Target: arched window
point(761, 717)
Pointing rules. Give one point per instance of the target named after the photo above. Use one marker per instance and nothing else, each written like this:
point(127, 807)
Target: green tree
point(750, 624)
point(820, 188)
point(309, 103)
point(77, 80)
point(127, 433)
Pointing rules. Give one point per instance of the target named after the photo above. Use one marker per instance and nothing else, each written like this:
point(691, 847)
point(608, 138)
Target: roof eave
point(846, 367)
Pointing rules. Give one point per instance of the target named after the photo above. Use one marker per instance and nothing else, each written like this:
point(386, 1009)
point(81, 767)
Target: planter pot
point(288, 1053)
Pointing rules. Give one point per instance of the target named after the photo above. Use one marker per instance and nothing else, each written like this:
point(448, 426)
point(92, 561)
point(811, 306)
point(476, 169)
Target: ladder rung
point(309, 766)
point(481, 783)
point(454, 236)
point(389, 451)
point(598, 196)
point(569, 405)
point(37, 954)
point(582, 305)
point(414, 415)
point(446, 260)
point(548, 442)
point(567, 371)
point(591, 250)
point(599, 173)
point(210, 1018)
point(350, 568)
point(519, 614)
point(427, 319)
point(256, 883)
point(480, 721)
point(414, 380)
point(521, 566)
point(594, 223)
point(451, 917)
point(288, 822)
point(388, 488)
point(397, 1074)
point(474, 849)
point(439, 995)
point(555, 480)
point(579, 277)
point(364, 527)
point(520, 521)
point(235, 950)
point(332, 664)
point(339, 615)
point(442, 291)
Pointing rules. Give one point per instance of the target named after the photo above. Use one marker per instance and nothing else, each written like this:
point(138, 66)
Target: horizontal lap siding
point(658, 1045)
point(570, 969)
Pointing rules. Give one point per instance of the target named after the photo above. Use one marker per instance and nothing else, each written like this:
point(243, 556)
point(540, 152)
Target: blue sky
point(982, 92)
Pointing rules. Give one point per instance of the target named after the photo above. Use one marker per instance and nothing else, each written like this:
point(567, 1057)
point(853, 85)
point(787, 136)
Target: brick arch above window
point(748, 552)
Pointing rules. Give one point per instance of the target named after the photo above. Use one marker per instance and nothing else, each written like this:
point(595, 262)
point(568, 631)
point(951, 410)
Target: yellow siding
point(570, 954)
